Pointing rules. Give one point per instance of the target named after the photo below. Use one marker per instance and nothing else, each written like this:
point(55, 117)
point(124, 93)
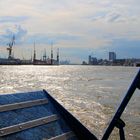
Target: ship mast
point(51, 53)
point(10, 47)
point(58, 56)
point(44, 55)
point(34, 53)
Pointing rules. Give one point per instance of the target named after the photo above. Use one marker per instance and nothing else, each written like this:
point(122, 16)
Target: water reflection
point(92, 94)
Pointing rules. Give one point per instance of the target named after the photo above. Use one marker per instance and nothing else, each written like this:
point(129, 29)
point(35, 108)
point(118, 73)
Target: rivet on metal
point(2, 132)
point(44, 120)
point(20, 127)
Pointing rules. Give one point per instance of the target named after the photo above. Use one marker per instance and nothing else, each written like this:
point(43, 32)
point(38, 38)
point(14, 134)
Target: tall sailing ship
point(11, 60)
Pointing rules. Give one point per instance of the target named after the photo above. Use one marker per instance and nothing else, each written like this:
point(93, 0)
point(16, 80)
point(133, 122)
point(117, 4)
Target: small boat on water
point(38, 116)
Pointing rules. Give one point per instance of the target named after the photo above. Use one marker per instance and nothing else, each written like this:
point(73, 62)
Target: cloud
point(114, 17)
point(17, 31)
point(50, 38)
point(125, 48)
point(13, 19)
point(90, 24)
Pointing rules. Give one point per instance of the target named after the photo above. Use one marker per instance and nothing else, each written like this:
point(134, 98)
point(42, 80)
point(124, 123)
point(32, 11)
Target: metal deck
point(38, 116)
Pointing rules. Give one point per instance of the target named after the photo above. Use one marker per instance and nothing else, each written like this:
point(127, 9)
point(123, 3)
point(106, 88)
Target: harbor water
point(91, 93)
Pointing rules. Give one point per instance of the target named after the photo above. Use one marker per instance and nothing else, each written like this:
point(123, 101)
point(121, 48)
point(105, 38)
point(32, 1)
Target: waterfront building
point(89, 60)
point(112, 56)
point(65, 62)
point(92, 60)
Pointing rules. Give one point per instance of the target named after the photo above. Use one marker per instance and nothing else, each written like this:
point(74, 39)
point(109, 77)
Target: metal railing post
point(114, 122)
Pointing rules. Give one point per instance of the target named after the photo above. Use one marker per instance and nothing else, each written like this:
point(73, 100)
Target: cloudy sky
point(77, 27)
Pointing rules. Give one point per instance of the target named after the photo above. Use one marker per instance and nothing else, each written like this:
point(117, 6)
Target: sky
point(77, 27)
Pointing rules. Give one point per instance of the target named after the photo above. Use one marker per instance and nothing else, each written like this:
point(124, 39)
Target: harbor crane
point(10, 44)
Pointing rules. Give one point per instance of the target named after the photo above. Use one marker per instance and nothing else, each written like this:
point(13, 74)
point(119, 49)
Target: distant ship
point(45, 60)
point(11, 60)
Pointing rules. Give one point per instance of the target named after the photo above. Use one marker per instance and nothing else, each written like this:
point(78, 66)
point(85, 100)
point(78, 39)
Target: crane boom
point(10, 44)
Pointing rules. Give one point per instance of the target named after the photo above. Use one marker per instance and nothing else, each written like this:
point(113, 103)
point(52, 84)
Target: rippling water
point(90, 93)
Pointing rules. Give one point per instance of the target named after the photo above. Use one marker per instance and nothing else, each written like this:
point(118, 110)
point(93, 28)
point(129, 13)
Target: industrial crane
point(10, 44)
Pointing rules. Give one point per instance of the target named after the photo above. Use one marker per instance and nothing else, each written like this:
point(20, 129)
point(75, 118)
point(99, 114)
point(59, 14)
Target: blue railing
point(116, 121)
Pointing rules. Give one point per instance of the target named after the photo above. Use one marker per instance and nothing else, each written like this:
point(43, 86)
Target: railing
point(116, 121)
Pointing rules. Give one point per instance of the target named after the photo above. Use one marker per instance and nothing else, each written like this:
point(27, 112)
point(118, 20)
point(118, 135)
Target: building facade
point(112, 56)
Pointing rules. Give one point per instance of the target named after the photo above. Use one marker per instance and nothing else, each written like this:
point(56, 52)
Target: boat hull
point(37, 116)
